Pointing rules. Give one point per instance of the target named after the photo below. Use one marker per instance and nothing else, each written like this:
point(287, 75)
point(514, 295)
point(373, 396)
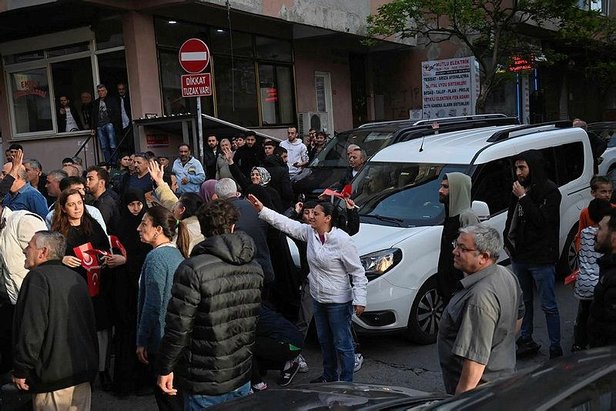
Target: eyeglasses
point(460, 247)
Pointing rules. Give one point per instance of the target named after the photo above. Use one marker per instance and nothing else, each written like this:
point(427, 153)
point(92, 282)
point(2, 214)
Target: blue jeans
point(333, 322)
point(197, 402)
point(106, 137)
point(543, 277)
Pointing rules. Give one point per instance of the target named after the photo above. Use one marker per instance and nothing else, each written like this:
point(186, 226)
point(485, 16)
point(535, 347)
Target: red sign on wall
point(196, 85)
point(194, 56)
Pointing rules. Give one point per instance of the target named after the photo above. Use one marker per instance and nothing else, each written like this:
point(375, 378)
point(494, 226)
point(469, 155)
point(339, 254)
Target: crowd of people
point(191, 290)
point(175, 278)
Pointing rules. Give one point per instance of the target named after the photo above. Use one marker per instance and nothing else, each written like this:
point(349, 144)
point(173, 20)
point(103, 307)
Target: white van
point(401, 216)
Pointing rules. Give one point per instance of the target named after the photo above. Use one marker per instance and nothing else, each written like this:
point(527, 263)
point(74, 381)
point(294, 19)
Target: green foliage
point(495, 30)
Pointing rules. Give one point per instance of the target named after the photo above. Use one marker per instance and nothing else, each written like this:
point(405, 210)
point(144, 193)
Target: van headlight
point(380, 262)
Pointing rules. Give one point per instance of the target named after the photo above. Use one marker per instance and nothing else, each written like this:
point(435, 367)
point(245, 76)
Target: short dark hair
point(66, 182)
point(279, 151)
point(595, 181)
point(100, 86)
point(251, 133)
point(191, 203)
point(217, 217)
point(100, 172)
point(16, 146)
point(270, 143)
point(185, 145)
point(68, 160)
point(598, 208)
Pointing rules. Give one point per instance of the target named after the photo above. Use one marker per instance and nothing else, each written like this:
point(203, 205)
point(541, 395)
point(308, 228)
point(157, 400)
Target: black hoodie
point(533, 221)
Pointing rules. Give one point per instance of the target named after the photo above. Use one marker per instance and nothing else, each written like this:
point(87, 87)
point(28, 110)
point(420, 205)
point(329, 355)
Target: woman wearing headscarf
point(206, 192)
point(129, 374)
point(258, 184)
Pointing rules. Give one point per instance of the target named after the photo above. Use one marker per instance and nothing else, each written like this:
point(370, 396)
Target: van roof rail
point(458, 118)
point(441, 120)
point(529, 128)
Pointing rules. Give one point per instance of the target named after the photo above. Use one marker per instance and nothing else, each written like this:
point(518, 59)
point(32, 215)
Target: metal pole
point(199, 129)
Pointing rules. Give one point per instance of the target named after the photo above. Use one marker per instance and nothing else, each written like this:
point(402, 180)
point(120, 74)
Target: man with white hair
point(250, 223)
point(56, 350)
point(476, 335)
point(16, 229)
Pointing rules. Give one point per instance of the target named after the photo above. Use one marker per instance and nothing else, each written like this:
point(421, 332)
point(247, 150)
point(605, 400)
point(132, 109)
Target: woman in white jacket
point(332, 258)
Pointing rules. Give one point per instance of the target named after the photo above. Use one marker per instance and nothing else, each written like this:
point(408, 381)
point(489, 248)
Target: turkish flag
point(89, 261)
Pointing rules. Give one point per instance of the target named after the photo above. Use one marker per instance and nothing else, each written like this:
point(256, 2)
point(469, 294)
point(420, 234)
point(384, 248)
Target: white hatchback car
point(401, 217)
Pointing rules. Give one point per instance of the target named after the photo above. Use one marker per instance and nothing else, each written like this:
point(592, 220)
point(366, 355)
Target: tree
point(493, 30)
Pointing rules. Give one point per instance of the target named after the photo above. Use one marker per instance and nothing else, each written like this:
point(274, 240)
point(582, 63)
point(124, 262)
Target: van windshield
point(371, 140)
point(401, 194)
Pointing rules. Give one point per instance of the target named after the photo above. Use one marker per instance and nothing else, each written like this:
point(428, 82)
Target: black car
point(584, 381)
point(330, 166)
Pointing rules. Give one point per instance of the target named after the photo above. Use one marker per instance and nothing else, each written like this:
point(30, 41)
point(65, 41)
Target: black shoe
point(555, 352)
point(318, 380)
point(576, 348)
point(527, 348)
point(286, 376)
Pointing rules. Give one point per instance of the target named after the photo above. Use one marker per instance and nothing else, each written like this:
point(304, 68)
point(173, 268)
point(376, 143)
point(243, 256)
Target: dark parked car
point(331, 164)
point(585, 381)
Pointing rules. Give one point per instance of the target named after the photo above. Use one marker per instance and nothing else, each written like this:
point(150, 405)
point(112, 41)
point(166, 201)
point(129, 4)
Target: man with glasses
point(455, 194)
point(476, 335)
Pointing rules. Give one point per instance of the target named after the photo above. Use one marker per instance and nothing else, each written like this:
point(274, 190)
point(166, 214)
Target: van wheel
point(425, 314)
point(568, 260)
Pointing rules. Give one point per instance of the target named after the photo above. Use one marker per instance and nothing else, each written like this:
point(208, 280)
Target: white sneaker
point(359, 361)
point(303, 366)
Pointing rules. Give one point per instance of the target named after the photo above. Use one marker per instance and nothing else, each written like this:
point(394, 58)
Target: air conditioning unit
point(317, 121)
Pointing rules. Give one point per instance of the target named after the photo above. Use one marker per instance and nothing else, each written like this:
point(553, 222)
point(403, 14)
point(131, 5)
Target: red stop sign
point(194, 55)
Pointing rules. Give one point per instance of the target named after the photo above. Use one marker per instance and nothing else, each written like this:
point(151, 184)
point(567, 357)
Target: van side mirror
point(481, 209)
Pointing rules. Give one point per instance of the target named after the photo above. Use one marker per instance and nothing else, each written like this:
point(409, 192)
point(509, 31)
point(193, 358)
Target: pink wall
point(312, 55)
point(142, 64)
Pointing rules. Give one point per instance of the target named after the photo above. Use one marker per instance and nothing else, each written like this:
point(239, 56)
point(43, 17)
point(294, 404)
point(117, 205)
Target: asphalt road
point(389, 359)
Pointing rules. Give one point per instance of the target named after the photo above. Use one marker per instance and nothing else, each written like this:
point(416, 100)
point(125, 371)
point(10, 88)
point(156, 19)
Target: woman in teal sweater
point(158, 229)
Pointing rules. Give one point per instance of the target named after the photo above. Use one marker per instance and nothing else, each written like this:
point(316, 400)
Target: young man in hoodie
point(455, 193)
point(531, 240)
point(298, 153)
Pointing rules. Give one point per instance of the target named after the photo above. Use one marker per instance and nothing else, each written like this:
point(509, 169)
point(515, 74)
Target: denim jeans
point(543, 277)
point(333, 322)
point(106, 137)
point(195, 402)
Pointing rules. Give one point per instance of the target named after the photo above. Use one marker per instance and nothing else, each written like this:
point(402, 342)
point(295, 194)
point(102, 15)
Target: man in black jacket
point(531, 240)
point(210, 156)
point(602, 319)
point(212, 315)
point(56, 349)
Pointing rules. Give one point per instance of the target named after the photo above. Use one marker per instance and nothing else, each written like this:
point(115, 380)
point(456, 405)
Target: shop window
point(236, 94)
point(31, 105)
point(220, 42)
point(273, 49)
point(276, 93)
